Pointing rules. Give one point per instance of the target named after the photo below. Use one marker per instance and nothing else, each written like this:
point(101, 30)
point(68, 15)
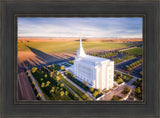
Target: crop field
point(69, 46)
point(135, 51)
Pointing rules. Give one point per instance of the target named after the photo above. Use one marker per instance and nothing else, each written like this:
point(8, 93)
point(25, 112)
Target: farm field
point(38, 52)
point(69, 46)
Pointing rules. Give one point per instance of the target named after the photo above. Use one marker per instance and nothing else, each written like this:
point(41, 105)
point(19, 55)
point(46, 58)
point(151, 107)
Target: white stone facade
point(98, 72)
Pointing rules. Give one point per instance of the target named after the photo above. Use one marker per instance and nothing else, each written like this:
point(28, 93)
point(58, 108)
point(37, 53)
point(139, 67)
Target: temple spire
point(80, 52)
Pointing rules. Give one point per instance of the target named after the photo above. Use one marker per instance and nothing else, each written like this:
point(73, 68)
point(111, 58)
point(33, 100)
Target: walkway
point(38, 89)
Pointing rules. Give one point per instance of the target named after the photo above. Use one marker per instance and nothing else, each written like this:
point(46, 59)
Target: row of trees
point(133, 65)
point(38, 95)
point(126, 57)
point(107, 54)
point(96, 93)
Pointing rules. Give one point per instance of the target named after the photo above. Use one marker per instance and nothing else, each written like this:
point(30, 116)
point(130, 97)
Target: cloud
point(71, 27)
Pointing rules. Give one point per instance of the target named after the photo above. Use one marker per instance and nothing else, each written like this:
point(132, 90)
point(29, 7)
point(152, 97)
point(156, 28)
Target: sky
point(100, 27)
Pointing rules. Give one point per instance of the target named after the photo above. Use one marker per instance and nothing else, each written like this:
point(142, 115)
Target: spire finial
point(80, 51)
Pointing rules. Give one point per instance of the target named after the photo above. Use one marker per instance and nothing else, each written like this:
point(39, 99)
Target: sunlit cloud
point(72, 27)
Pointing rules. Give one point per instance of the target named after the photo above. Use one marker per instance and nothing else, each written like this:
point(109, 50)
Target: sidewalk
point(38, 89)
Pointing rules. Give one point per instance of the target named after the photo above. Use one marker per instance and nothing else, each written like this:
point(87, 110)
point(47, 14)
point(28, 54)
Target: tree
point(124, 77)
point(62, 85)
point(45, 75)
point(48, 83)
point(99, 91)
point(34, 69)
point(57, 73)
point(138, 90)
point(57, 78)
point(62, 93)
point(115, 97)
point(42, 85)
point(75, 95)
point(38, 96)
point(51, 74)
point(85, 83)
point(33, 83)
point(53, 65)
point(127, 67)
point(35, 88)
point(66, 93)
point(91, 89)
point(51, 91)
point(62, 68)
point(120, 80)
point(95, 93)
point(126, 90)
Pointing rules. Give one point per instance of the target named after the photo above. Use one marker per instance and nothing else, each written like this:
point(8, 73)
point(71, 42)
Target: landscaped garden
point(126, 90)
point(96, 93)
point(51, 87)
point(116, 97)
point(61, 78)
point(120, 77)
point(138, 89)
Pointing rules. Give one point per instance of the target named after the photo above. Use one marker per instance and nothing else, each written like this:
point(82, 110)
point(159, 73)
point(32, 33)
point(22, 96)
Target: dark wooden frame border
point(149, 9)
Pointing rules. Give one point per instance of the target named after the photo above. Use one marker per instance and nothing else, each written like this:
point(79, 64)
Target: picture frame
point(149, 107)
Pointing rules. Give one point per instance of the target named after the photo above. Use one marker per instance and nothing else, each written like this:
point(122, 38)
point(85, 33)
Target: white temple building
point(98, 72)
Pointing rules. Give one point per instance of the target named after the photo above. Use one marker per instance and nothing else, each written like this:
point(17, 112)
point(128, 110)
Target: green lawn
point(69, 46)
point(135, 51)
point(82, 95)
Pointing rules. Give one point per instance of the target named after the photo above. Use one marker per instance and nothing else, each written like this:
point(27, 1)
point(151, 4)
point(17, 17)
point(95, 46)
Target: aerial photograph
point(80, 58)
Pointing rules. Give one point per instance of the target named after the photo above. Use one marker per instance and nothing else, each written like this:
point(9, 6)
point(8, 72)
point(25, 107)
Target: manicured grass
point(43, 76)
point(79, 83)
point(69, 46)
point(135, 51)
point(81, 94)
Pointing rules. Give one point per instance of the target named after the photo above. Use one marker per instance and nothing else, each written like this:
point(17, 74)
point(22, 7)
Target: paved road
point(134, 72)
point(38, 89)
point(25, 91)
